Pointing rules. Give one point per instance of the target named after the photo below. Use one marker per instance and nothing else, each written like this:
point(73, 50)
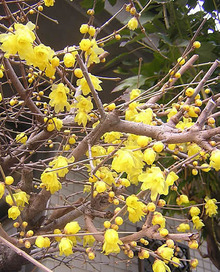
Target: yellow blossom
point(57, 231)
point(158, 219)
point(65, 246)
point(21, 198)
point(88, 240)
point(60, 162)
point(49, 3)
point(21, 138)
point(69, 60)
point(93, 53)
point(145, 116)
point(42, 242)
point(149, 156)
point(135, 208)
point(42, 55)
point(134, 93)
point(110, 137)
point(183, 227)
point(72, 228)
point(82, 82)
point(54, 123)
point(111, 242)
point(165, 252)
point(153, 179)
point(2, 189)
point(197, 222)
point(127, 161)
point(182, 199)
point(215, 159)
point(13, 212)
point(132, 23)
point(210, 207)
point(82, 118)
point(160, 266)
point(50, 181)
point(18, 42)
point(58, 97)
point(84, 104)
point(194, 211)
point(85, 44)
point(186, 123)
point(39, 242)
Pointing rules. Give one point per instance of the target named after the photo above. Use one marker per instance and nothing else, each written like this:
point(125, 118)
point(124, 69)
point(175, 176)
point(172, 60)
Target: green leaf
point(130, 82)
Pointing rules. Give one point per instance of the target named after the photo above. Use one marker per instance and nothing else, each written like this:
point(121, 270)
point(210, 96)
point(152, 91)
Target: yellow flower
point(153, 179)
point(42, 55)
point(100, 186)
point(69, 60)
point(85, 44)
point(72, 228)
point(13, 212)
point(135, 208)
point(82, 118)
point(186, 123)
point(176, 261)
point(197, 222)
point(54, 123)
point(194, 211)
point(9, 44)
point(111, 241)
point(39, 242)
point(88, 240)
point(49, 3)
point(84, 28)
point(84, 104)
point(165, 252)
point(42, 242)
point(171, 113)
point(158, 219)
point(21, 198)
point(93, 53)
point(145, 116)
point(21, 138)
point(133, 23)
point(160, 266)
point(110, 137)
point(134, 93)
point(183, 227)
point(85, 87)
point(50, 180)
point(20, 41)
point(127, 161)
point(210, 207)
point(215, 160)
point(60, 162)
point(182, 199)
point(65, 246)
point(58, 97)
point(193, 149)
point(2, 189)
point(57, 231)
point(149, 156)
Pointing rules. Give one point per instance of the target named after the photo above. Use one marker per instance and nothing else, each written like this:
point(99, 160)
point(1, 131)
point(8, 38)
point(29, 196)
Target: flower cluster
point(21, 42)
point(84, 106)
